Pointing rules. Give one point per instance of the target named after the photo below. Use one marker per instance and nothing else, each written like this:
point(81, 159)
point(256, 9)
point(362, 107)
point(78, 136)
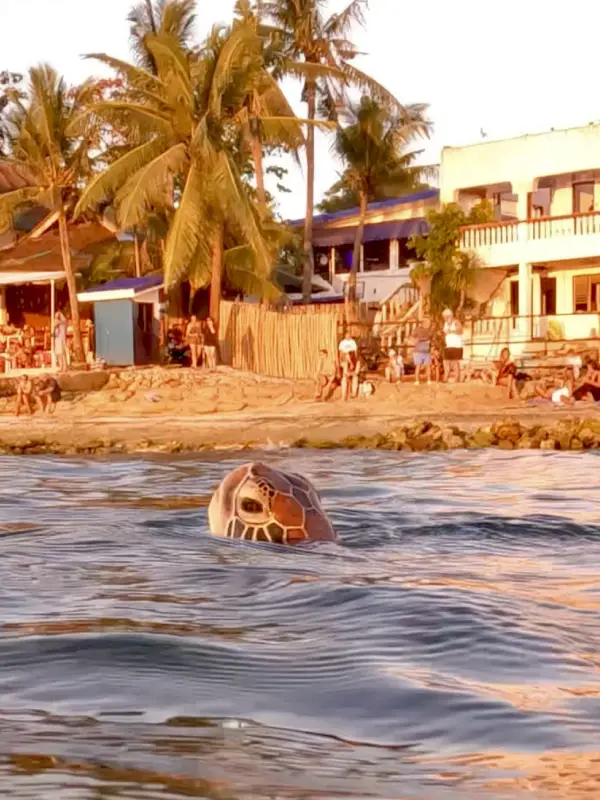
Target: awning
point(400, 229)
point(10, 278)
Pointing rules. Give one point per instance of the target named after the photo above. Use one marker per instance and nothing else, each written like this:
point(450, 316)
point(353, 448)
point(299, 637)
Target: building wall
point(520, 161)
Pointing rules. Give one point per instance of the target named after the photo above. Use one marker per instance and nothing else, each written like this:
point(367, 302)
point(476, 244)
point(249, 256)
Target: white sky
point(510, 68)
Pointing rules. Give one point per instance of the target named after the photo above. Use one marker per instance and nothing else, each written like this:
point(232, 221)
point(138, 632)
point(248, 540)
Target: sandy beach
point(181, 410)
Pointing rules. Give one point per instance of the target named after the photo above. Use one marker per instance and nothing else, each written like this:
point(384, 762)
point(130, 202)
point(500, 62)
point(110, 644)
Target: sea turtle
point(263, 504)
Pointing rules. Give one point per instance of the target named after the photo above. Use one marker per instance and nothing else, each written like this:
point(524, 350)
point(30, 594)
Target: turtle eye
point(251, 506)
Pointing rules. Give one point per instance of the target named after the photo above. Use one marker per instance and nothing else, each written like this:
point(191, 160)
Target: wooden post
point(52, 312)
point(136, 250)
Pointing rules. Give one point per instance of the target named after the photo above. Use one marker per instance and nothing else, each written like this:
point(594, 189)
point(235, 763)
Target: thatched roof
point(44, 254)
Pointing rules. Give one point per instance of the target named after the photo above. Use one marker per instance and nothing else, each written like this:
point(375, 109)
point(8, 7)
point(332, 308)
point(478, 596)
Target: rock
point(508, 431)
point(88, 381)
point(576, 444)
point(483, 437)
point(506, 444)
point(588, 438)
point(527, 443)
point(548, 444)
point(399, 436)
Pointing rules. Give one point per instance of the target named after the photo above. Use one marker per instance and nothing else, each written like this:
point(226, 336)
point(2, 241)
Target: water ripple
point(448, 647)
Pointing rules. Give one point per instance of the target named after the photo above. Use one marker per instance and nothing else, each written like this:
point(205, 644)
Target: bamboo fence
point(281, 344)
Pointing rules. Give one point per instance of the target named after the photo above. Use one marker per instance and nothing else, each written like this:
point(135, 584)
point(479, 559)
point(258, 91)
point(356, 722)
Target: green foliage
point(374, 148)
point(187, 156)
point(449, 271)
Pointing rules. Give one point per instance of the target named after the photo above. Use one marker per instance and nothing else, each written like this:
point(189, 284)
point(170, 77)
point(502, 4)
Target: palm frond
point(105, 185)
point(150, 118)
point(340, 24)
point(187, 229)
point(139, 78)
point(307, 70)
point(148, 186)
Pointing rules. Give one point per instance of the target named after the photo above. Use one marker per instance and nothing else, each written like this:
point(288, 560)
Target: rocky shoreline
point(565, 434)
point(508, 434)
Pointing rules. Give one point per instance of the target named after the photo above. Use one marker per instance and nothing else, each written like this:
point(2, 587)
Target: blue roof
point(137, 284)
point(320, 219)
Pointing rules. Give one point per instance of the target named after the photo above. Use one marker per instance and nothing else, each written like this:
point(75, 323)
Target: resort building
point(540, 286)
point(386, 257)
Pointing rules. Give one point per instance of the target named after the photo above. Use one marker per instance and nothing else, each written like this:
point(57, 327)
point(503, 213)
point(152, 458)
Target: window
point(376, 255)
point(322, 262)
point(539, 203)
point(343, 258)
point(514, 298)
point(583, 197)
point(405, 253)
point(548, 295)
point(586, 293)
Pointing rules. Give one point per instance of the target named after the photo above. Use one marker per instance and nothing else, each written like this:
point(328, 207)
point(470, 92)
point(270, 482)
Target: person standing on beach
point(453, 350)
point(211, 342)
point(193, 337)
point(422, 351)
point(60, 340)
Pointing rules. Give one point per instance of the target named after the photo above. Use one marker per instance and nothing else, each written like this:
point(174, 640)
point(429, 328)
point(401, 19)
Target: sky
point(520, 66)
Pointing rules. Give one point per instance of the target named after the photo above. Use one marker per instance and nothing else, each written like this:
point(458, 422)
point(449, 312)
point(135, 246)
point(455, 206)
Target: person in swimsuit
point(453, 350)
point(193, 337)
point(211, 342)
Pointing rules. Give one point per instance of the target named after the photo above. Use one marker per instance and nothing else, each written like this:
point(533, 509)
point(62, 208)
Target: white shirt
point(557, 394)
point(453, 338)
point(348, 345)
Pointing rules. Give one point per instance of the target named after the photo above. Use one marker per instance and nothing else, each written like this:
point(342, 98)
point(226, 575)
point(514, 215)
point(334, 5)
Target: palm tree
point(149, 18)
point(185, 125)
point(373, 146)
point(42, 141)
point(317, 49)
point(266, 116)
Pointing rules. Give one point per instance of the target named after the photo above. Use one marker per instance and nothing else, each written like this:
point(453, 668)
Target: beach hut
point(127, 319)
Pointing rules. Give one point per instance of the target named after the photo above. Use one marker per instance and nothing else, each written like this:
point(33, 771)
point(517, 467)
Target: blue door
point(113, 322)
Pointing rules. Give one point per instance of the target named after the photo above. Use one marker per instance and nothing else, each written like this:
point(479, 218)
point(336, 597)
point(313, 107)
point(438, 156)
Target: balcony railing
point(491, 234)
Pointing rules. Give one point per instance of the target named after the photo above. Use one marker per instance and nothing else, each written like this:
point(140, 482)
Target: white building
point(542, 253)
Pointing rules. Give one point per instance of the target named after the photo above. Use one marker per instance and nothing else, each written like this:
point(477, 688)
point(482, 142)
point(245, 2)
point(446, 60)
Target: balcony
point(539, 240)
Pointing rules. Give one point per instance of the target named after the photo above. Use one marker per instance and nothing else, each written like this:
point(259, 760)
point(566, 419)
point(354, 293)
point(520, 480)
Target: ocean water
point(447, 647)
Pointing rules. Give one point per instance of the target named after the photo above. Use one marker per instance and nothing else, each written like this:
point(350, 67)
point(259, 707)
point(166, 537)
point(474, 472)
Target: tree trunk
point(216, 279)
point(351, 297)
point(310, 195)
point(65, 249)
point(257, 157)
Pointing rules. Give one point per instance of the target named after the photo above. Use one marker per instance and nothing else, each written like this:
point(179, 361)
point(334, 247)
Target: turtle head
point(260, 503)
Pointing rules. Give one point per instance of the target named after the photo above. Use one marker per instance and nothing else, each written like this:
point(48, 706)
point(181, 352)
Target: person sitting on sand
point(325, 373)
point(47, 393)
point(394, 369)
point(24, 395)
point(505, 372)
point(589, 388)
point(556, 390)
